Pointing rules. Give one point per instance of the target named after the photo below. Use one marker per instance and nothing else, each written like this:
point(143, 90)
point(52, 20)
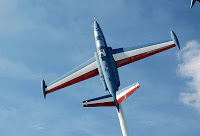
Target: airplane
point(192, 3)
point(105, 63)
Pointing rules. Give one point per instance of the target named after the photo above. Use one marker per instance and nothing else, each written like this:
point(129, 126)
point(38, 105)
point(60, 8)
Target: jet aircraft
point(192, 3)
point(105, 63)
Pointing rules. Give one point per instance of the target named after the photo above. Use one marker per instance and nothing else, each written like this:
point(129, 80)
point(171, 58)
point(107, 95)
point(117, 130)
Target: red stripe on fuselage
point(76, 80)
point(131, 59)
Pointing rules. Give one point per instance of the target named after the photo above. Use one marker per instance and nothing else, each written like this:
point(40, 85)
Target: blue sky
point(45, 39)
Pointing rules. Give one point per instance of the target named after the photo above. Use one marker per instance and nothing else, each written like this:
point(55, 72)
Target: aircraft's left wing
point(124, 56)
point(85, 71)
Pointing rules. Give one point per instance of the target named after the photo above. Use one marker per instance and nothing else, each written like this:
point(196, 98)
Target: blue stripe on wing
point(99, 98)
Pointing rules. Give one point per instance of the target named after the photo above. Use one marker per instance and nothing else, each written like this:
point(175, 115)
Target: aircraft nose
point(96, 25)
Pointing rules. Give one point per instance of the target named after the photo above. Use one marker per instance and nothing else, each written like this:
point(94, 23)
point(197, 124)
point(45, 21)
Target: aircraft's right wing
point(85, 71)
point(124, 56)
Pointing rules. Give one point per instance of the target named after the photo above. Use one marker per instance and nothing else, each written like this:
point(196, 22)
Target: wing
point(124, 56)
point(85, 71)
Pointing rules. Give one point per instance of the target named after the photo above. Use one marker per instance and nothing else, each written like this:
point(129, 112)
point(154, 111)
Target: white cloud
point(38, 127)
point(190, 69)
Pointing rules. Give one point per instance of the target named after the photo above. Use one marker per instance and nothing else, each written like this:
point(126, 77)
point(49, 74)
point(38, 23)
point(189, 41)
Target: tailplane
point(107, 100)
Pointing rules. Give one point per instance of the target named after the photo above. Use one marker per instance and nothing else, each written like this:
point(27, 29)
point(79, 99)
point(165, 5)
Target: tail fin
point(107, 100)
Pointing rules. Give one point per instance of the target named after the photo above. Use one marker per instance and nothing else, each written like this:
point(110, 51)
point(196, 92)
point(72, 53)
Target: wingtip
point(175, 39)
point(43, 86)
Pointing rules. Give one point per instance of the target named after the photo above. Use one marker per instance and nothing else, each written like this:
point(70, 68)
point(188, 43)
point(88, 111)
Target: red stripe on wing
point(131, 59)
point(100, 104)
point(76, 80)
